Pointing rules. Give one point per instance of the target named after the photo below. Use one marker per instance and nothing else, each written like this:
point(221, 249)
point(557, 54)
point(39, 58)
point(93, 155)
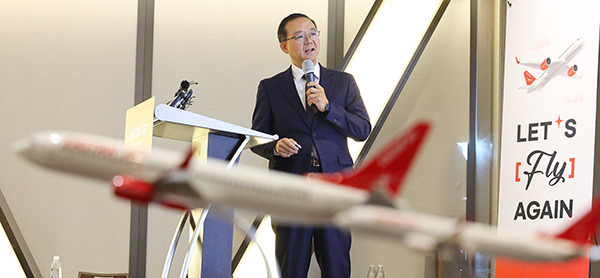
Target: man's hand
point(286, 147)
point(316, 95)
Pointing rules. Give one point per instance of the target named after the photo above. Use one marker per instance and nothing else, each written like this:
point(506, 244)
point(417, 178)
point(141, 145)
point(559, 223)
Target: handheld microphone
point(309, 71)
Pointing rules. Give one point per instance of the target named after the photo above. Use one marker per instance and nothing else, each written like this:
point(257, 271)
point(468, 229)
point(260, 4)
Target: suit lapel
point(327, 81)
point(289, 90)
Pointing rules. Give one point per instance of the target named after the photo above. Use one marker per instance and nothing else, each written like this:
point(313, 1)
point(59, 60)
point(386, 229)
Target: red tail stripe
point(390, 164)
point(581, 230)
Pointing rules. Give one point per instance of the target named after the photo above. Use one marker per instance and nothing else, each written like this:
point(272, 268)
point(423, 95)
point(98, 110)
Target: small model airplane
point(426, 232)
point(552, 68)
point(158, 176)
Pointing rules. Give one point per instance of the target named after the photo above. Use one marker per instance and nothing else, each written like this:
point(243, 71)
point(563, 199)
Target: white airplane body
point(552, 68)
point(155, 176)
point(425, 233)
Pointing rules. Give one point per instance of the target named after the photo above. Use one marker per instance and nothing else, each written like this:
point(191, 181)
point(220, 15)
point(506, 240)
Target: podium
point(218, 140)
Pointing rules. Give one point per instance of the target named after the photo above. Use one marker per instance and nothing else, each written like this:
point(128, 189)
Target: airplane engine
point(545, 64)
point(572, 71)
point(133, 189)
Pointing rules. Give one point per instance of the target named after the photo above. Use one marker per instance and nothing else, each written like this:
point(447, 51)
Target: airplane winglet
point(389, 166)
point(582, 229)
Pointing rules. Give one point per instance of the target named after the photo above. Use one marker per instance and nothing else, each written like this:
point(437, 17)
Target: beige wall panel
point(66, 65)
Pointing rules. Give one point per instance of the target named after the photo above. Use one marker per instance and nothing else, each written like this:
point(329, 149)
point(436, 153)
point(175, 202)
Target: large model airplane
point(425, 232)
point(356, 199)
point(158, 176)
point(552, 68)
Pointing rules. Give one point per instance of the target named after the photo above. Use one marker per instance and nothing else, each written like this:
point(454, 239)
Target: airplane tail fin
point(581, 230)
point(389, 166)
point(529, 79)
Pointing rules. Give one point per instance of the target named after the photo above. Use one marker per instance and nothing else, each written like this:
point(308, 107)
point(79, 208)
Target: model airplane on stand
point(361, 198)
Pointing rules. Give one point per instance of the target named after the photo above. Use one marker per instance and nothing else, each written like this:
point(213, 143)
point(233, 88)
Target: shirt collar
point(298, 72)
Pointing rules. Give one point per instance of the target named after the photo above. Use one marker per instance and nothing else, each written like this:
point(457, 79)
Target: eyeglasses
point(302, 37)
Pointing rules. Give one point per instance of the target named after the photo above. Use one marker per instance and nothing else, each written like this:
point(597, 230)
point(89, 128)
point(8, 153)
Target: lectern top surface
point(182, 125)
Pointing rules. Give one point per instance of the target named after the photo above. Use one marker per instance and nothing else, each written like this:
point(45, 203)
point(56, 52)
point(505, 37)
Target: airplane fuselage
point(425, 232)
point(572, 51)
point(557, 67)
point(286, 197)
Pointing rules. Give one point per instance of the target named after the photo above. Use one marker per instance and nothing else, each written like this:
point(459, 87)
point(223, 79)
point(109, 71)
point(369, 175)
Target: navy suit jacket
point(279, 111)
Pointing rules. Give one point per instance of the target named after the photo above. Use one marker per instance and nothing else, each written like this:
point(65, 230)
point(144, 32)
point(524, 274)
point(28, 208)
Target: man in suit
point(311, 141)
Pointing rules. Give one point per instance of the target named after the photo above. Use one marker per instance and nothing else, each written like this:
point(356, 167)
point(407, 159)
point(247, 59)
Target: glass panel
point(437, 91)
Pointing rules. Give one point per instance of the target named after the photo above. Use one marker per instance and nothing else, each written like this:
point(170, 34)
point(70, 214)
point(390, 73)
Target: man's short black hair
point(282, 33)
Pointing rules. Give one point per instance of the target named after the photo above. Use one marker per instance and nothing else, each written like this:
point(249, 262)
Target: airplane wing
point(421, 242)
point(538, 66)
point(570, 72)
point(417, 231)
point(575, 76)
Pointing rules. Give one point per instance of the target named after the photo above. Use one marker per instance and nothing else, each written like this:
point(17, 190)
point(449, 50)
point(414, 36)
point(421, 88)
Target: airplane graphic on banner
point(552, 68)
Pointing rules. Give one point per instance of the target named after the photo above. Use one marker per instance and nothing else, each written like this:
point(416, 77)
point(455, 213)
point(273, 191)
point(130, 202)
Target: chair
point(98, 275)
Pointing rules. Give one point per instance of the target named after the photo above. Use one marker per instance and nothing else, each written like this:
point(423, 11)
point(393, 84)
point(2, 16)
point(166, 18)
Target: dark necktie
point(308, 109)
point(314, 155)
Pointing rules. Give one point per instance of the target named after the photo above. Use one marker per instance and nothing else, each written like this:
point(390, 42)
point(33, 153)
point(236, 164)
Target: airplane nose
point(34, 147)
point(21, 147)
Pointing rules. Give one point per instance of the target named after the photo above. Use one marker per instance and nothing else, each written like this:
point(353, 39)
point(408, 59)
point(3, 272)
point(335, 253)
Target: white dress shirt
point(301, 82)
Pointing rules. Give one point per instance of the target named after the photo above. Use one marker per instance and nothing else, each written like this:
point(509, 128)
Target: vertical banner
point(548, 127)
